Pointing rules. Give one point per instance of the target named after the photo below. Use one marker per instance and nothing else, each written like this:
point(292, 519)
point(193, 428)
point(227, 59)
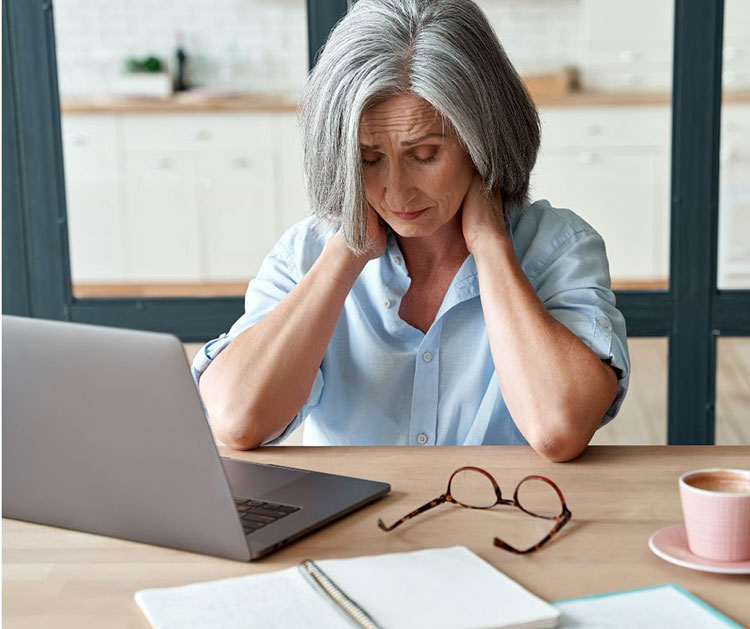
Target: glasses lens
point(473, 489)
point(539, 498)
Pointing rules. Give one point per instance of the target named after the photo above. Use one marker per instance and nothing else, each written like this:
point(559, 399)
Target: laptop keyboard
point(255, 514)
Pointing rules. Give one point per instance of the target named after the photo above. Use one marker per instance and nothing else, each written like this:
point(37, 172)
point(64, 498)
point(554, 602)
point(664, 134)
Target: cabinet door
point(93, 188)
point(734, 198)
point(292, 201)
point(161, 228)
point(238, 215)
point(623, 195)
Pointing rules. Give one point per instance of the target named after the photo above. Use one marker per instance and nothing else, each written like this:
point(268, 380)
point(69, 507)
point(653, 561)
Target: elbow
point(234, 430)
point(560, 446)
point(235, 435)
point(246, 432)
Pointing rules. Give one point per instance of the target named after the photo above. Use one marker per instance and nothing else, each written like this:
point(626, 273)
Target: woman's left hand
point(481, 217)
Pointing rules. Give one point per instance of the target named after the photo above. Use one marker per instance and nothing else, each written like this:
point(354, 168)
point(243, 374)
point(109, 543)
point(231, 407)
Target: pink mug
point(716, 507)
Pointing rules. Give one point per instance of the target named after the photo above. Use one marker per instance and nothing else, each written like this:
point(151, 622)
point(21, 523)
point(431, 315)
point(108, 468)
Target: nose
point(399, 190)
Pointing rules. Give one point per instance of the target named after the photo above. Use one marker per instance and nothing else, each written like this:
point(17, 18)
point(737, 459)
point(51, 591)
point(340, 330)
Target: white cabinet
point(161, 221)
point(203, 197)
point(173, 197)
point(734, 198)
point(622, 195)
point(611, 167)
point(293, 203)
point(240, 220)
point(93, 188)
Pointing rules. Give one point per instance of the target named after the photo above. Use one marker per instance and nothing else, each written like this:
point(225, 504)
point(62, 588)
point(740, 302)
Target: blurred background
point(183, 164)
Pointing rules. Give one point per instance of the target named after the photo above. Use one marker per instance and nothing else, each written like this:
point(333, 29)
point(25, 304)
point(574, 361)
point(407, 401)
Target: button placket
point(423, 424)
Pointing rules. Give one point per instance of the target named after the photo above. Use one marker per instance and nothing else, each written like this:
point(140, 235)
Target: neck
point(441, 250)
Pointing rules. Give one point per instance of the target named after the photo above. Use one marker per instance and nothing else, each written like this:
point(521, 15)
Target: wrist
point(488, 243)
point(343, 265)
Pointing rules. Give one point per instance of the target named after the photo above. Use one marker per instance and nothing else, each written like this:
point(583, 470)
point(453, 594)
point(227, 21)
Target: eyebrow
point(407, 142)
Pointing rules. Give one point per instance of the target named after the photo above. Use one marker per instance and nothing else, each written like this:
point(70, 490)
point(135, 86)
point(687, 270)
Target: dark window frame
point(692, 313)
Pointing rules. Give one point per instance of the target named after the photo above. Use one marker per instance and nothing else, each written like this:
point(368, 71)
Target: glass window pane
point(601, 76)
point(734, 186)
point(176, 191)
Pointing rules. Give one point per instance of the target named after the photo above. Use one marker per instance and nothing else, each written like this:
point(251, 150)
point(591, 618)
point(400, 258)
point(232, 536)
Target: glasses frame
point(560, 520)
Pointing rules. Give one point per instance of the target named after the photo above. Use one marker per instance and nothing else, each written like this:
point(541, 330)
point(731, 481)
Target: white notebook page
point(443, 587)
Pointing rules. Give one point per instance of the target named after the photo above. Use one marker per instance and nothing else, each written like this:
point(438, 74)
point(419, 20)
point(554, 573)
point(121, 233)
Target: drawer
point(735, 123)
point(89, 142)
point(592, 127)
point(196, 132)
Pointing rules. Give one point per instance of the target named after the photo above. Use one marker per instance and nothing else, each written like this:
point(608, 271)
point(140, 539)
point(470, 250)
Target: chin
point(412, 231)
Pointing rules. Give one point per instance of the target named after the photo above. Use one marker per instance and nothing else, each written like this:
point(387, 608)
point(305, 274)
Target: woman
point(426, 301)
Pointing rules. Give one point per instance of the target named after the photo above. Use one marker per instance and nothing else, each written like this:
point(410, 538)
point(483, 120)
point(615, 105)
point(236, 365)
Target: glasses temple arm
point(425, 507)
point(562, 520)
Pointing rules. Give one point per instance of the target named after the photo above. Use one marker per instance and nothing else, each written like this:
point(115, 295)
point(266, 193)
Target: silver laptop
point(104, 432)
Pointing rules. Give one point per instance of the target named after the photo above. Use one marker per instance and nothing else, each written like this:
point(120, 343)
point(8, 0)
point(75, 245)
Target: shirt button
point(387, 303)
point(422, 438)
point(603, 322)
point(427, 357)
point(397, 260)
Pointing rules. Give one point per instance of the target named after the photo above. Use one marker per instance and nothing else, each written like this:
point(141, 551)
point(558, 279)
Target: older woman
point(426, 301)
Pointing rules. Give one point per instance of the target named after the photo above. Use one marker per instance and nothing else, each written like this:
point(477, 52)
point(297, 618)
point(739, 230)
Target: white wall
point(260, 45)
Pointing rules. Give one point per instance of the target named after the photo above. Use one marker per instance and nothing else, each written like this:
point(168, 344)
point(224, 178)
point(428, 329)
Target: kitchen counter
point(269, 102)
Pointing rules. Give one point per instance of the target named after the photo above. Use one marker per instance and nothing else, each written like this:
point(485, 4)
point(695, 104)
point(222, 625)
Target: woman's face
point(415, 176)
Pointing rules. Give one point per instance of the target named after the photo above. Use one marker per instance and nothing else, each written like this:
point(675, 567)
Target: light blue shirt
point(384, 382)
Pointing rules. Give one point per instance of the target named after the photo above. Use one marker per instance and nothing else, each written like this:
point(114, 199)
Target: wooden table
point(618, 495)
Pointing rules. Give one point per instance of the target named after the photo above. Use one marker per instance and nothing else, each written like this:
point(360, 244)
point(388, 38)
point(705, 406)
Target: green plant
point(147, 64)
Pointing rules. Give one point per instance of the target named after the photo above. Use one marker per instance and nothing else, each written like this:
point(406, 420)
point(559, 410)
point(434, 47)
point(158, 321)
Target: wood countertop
point(286, 103)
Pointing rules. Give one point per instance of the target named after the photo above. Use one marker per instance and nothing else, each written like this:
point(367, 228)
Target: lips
point(410, 216)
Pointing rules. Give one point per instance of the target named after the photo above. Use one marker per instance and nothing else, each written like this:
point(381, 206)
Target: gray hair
point(444, 51)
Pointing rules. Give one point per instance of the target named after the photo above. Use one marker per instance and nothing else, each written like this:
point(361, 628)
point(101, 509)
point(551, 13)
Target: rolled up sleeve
point(575, 287)
point(277, 276)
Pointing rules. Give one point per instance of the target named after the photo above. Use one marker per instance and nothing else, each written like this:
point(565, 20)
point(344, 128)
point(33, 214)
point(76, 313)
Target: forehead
point(404, 114)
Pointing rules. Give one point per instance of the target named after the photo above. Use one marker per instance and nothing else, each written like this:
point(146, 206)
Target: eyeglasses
point(468, 487)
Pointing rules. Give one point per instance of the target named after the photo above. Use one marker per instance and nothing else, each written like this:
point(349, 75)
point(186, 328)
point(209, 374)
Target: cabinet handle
point(201, 135)
point(79, 140)
point(728, 154)
point(595, 129)
point(629, 79)
point(587, 158)
point(241, 162)
point(165, 163)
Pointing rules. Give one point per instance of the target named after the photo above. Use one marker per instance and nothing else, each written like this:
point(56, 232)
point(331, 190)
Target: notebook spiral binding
point(318, 579)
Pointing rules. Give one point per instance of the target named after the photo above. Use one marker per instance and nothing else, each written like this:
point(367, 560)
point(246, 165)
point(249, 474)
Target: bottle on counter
point(180, 79)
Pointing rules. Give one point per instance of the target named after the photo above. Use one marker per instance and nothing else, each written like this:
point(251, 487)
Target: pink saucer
point(670, 543)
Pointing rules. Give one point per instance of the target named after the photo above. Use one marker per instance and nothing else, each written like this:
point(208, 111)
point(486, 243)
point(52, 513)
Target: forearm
point(253, 388)
point(556, 389)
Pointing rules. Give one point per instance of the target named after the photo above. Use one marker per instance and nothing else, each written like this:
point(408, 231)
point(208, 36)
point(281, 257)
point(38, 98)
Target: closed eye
point(372, 162)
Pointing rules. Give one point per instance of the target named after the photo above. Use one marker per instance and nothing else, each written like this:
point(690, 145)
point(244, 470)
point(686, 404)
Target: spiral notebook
point(442, 587)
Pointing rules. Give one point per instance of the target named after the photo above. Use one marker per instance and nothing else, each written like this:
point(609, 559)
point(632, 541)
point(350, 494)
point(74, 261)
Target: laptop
point(104, 432)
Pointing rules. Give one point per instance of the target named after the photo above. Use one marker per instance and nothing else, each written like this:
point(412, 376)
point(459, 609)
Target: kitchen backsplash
point(260, 45)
